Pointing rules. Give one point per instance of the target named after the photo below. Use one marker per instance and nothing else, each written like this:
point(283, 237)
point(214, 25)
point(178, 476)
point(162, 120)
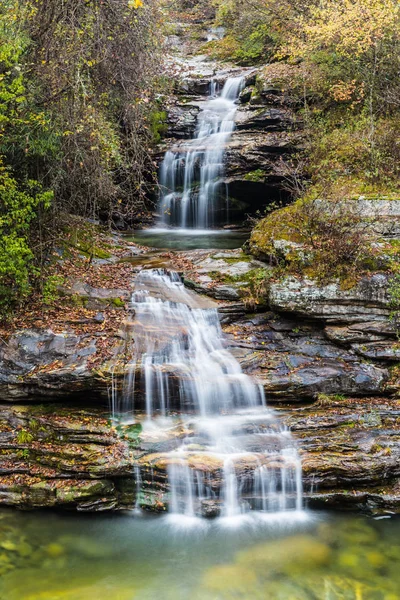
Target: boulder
point(367, 301)
point(41, 363)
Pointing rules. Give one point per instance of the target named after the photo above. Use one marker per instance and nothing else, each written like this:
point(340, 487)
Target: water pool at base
point(189, 239)
point(54, 556)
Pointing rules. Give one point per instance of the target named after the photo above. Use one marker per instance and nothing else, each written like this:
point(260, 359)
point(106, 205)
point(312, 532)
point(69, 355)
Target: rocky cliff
point(327, 359)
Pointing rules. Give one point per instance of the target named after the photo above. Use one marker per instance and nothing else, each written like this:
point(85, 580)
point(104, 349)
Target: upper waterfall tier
point(191, 186)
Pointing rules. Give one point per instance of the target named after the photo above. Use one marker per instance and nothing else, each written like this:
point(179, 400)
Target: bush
point(250, 38)
point(18, 213)
point(325, 239)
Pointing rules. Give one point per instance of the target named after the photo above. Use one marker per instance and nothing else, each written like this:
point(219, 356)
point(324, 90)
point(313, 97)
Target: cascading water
point(234, 454)
point(191, 177)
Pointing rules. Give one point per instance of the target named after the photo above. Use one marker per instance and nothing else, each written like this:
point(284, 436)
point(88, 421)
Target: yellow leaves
point(346, 91)
point(135, 4)
point(350, 27)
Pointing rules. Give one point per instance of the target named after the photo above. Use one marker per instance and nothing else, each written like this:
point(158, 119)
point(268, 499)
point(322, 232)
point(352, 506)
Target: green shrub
point(24, 437)
point(18, 212)
point(325, 239)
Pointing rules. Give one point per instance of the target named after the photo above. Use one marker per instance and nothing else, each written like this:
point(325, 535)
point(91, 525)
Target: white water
point(191, 178)
point(235, 453)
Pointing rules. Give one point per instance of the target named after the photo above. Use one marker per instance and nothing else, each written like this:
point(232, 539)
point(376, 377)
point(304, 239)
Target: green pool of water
point(189, 239)
point(57, 556)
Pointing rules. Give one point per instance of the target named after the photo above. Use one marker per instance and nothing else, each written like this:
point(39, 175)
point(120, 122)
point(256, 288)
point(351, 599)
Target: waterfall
point(235, 453)
point(191, 177)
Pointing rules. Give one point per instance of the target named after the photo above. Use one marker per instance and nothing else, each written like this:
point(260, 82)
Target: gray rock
point(296, 361)
point(358, 333)
point(220, 275)
point(43, 363)
point(182, 120)
point(367, 301)
point(379, 350)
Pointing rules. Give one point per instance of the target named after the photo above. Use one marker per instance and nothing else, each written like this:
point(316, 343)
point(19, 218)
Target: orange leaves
point(348, 91)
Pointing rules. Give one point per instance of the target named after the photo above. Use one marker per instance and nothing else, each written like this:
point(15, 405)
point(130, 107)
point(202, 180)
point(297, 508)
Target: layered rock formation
point(53, 456)
point(327, 357)
point(267, 134)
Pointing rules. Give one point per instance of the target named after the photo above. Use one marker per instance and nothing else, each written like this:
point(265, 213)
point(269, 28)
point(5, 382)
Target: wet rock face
point(43, 363)
point(350, 452)
point(72, 458)
point(52, 456)
point(267, 134)
point(327, 361)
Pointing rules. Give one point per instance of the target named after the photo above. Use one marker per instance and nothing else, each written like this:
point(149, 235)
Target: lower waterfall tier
point(234, 454)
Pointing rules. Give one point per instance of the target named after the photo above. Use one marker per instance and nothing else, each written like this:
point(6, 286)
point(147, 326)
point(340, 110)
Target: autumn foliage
point(78, 116)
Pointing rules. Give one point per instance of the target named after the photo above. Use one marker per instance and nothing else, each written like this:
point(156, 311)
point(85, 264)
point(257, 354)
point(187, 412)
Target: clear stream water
point(52, 556)
point(189, 239)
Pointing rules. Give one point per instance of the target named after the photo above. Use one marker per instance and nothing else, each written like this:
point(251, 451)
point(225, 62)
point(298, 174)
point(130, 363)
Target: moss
point(319, 239)
point(255, 176)
point(242, 278)
point(87, 238)
point(376, 448)
point(158, 125)
point(117, 302)
point(91, 251)
point(78, 301)
point(280, 225)
point(234, 259)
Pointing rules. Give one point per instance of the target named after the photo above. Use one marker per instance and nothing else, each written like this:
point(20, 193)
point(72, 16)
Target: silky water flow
point(234, 453)
point(191, 177)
